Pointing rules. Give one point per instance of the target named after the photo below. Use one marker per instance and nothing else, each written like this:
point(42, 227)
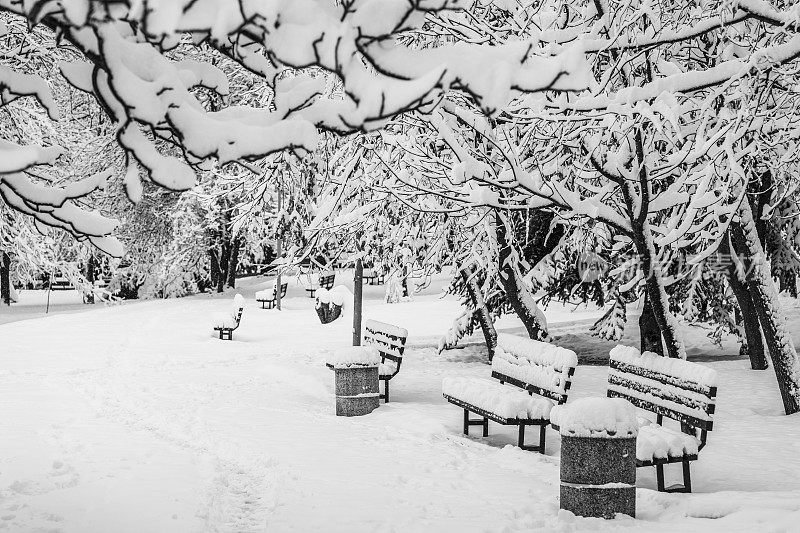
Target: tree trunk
point(233, 262)
point(788, 282)
point(656, 296)
point(224, 260)
point(90, 277)
point(404, 281)
point(214, 270)
point(649, 332)
point(523, 303)
point(538, 242)
point(484, 318)
point(5, 277)
point(645, 248)
point(753, 344)
point(765, 300)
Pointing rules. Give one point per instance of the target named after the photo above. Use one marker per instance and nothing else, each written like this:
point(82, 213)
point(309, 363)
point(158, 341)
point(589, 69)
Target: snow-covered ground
point(134, 418)
point(35, 304)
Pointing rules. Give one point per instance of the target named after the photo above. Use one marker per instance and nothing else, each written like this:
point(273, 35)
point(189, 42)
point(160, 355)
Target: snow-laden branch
point(14, 85)
point(687, 82)
point(54, 206)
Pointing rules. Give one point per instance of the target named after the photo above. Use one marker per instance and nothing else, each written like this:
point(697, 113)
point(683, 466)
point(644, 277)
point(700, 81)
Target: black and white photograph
point(399, 266)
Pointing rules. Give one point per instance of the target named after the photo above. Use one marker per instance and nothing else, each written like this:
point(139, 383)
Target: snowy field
point(134, 418)
point(34, 304)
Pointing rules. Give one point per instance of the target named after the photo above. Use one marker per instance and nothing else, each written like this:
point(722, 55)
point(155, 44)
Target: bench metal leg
point(483, 423)
point(687, 479)
point(542, 435)
point(385, 395)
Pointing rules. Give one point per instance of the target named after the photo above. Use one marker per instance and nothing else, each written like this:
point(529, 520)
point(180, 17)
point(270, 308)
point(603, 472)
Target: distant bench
point(61, 284)
point(267, 298)
point(674, 388)
point(373, 276)
point(226, 323)
point(391, 343)
point(325, 281)
point(528, 367)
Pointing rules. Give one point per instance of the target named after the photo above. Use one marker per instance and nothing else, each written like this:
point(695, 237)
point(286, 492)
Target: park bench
point(671, 388)
point(60, 283)
point(267, 297)
point(521, 367)
point(325, 281)
point(373, 276)
point(225, 323)
point(391, 343)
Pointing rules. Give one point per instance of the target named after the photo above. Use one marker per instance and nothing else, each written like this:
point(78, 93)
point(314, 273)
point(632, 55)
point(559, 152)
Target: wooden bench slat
point(656, 390)
point(389, 330)
point(388, 351)
point(689, 402)
point(395, 351)
point(553, 380)
point(692, 421)
point(539, 364)
point(708, 391)
point(557, 397)
point(389, 340)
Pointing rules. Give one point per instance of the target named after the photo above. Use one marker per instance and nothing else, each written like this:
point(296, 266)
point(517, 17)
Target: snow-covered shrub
point(394, 291)
point(331, 304)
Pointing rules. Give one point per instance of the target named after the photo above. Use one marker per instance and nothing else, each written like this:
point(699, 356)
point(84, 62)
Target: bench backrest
point(535, 366)
point(326, 280)
point(238, 308)
point(61, 282)
point(668, 387)
point(284, 285)
point(389, 339)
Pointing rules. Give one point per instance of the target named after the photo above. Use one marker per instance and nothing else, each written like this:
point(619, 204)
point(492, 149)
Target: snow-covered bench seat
point(391, 343)
point(225, 323)
point(267, 297)
point(672, 388)
point(521, 367)
point(325, 281)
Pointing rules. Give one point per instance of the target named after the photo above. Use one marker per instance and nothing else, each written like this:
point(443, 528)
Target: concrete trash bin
point(598, 456)
point(356, 380)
